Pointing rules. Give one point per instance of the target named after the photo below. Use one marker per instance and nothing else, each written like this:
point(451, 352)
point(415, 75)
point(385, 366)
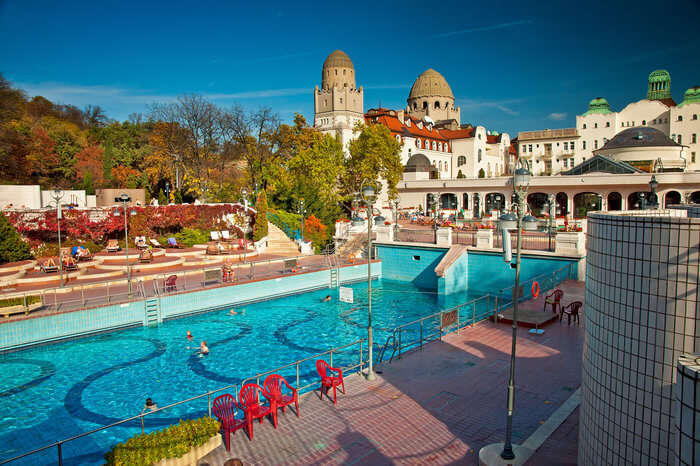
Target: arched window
point(680, 117)
point(479, 156)
point(461, 160)
point(336, 72)
point(343, 72)
point(644, 122)
point(607, 124)
point(398, 138)
point(595, 125)
point(437, 104)
point(418, 143)
point(432, 145)
point(425, 105)
point(465, 201)
point(415, 106)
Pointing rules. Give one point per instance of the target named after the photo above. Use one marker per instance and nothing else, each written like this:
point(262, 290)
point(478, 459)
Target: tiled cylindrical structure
point(687, 415)
point(640, 316)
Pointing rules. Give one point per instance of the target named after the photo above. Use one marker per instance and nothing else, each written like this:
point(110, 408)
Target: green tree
point(12, 247)
point(88, 184)
point(460, 174)
point(260, 228)
point(177, 197)
point(374, 154)
point(162, 200)
point(482, 173)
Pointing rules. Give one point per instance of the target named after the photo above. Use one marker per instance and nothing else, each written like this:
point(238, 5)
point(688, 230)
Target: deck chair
point(215, 236)
point(82, 253)
point(145, 255)
point(140, 242)
point(155, 243)
point(69, 263)
point(49, 266)
point(213, 249)
point(112, 245)
point(172, 242)
point(170, 283)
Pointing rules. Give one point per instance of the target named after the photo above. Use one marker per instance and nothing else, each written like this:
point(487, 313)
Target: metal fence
point(103, 293)
point(431, 328)
point(530, 240)
point(342, 351)
point(545, 281)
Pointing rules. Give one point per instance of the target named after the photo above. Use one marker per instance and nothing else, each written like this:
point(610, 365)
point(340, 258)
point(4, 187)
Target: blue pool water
point(55, 391)
point(51, 392)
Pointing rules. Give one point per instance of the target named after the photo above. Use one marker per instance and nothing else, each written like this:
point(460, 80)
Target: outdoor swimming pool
point(51, 392)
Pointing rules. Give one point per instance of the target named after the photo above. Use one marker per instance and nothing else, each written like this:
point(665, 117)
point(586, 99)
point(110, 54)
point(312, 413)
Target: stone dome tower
point(431, 96)
point(338, 71)
point(338, 104)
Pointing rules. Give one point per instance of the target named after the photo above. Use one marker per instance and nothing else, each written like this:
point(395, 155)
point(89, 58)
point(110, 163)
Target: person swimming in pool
point(189, 335)
point(149, 406)
point(326, 299)
point(233, 312)
point(203, 348)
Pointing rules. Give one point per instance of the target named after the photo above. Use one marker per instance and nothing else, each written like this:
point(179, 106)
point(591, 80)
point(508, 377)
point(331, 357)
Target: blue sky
point(512, 66)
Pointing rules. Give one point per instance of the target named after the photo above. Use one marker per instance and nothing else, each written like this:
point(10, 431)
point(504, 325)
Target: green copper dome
point(598, 105)
point(659, 85)
point(691, 96)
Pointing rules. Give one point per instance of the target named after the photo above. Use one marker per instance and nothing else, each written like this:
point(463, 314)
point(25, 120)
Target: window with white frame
point(479, 159)
point(461, 160)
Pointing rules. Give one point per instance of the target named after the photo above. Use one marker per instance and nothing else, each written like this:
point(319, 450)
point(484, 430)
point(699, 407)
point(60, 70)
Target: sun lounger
point(82, 254)
point(155, 243)
point(172, 242)
point(112, 245)
point(49, 266)
point(215, 236)
point(69, 263)
point(226, 236)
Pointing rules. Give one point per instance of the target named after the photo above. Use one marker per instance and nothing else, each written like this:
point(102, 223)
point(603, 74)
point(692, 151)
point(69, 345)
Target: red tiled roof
point(464, 133)
point(667, 102)
point(492, 138)
point(396, 126)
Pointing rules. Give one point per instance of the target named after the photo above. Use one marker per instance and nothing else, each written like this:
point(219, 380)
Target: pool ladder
point(152, 308)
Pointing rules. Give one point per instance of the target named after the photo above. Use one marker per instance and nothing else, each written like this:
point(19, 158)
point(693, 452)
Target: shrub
point(191, 236)
point(12, 247)
point(19, 301)
point(173, 442)
point(260, 227)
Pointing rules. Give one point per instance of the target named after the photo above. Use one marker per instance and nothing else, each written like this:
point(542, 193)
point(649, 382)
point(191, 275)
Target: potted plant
point(178, 445)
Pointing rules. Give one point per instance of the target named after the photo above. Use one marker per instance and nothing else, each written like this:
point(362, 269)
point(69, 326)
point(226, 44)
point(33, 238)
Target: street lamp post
point(653, 198)
point(521, 180)
point(369, 197)
point(57, 196)
point(124, 198)
point(396, 219)
point(434, 204)
point(302, 211)
point(552, 213)
point(244, 192)
point(167, 192)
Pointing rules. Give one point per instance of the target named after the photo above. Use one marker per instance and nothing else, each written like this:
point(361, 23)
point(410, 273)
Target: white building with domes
point(556, 151)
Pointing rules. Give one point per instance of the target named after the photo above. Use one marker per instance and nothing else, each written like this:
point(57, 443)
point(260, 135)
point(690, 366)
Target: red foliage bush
point(99, 224)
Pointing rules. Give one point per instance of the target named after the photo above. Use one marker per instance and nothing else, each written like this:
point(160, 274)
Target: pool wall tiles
point(488, 272)
point(412, 264)
point(454, 280)
point(640, 317)
point(44, 329)
point(52, 327)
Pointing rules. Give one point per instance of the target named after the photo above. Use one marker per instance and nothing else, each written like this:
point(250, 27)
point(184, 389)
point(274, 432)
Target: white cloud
point(502, 105)
point(484, 28)
point(557, 116)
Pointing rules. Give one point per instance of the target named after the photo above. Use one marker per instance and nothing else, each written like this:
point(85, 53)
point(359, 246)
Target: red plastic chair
point(224, 409)
point(571, 310)
point(554, 300)
point(273, 388)
point(249, 399)
point(327, 380)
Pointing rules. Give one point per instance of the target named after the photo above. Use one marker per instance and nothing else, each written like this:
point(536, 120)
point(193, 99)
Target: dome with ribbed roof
point(429, 84)
point(338, 71)
point(598, 105)
point(692, 95)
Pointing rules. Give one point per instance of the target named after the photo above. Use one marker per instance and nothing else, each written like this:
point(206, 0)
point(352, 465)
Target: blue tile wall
point(398, 263)
point(70, 324)
point(488, 273)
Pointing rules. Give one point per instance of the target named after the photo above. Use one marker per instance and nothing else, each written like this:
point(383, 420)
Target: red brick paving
point(561, 448)
point(438, 406)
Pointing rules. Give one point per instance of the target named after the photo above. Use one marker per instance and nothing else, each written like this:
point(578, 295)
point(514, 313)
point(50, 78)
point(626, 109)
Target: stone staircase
point(278, 243)
point(356, 244)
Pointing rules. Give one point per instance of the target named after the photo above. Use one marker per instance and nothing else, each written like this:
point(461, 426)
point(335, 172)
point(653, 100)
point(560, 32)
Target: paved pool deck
point(436, 406)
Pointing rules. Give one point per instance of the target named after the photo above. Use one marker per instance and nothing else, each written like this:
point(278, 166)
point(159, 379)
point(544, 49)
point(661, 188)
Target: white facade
point(76, 198)
point(15, 196)
point(599, 124)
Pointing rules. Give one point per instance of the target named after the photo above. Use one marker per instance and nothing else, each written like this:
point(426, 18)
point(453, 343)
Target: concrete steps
point(279, 243)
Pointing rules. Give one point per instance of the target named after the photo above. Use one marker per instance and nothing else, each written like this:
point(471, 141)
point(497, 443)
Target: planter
point(195, 454)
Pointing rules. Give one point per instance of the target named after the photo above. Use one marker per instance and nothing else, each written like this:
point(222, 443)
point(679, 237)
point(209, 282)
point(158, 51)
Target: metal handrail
point(398, 331)
point(59, 444)
point(567, 269)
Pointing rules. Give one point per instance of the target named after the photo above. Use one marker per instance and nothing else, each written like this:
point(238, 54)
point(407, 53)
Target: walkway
point(438, 406)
